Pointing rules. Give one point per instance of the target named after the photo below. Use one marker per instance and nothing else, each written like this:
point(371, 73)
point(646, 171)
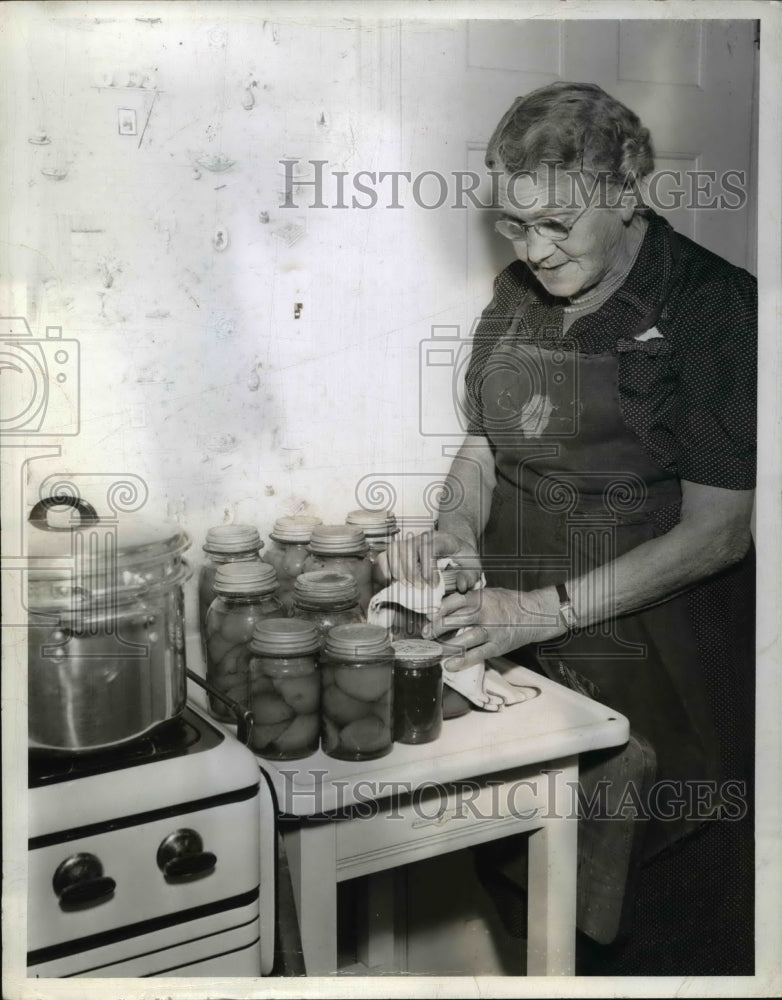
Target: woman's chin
point(560, 281)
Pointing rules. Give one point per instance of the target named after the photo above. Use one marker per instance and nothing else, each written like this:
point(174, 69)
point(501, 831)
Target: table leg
point(312, 858)
point(553, 859)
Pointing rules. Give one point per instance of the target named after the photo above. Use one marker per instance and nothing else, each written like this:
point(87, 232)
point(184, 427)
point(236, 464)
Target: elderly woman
point(608, 469)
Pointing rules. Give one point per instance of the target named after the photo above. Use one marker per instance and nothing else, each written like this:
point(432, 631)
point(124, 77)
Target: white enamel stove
point(156, 859)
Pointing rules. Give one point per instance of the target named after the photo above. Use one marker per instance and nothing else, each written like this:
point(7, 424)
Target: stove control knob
point(79, 882)
point(182, 856)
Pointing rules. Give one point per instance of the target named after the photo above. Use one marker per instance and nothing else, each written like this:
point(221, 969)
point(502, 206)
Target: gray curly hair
point(577, 126)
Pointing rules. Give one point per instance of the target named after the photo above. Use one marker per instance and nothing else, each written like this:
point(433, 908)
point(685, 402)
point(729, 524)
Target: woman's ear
point(630, 198)
point(627, 210)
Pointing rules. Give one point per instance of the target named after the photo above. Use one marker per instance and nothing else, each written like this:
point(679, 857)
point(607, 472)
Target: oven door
point(221, 923)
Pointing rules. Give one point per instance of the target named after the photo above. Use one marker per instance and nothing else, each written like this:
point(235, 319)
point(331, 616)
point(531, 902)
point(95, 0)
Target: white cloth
point(486, 688)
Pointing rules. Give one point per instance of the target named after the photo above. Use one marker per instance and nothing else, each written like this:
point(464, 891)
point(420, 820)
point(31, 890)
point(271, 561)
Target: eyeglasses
point(550, 229)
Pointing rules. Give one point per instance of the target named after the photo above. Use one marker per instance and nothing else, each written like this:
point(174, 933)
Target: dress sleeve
point(715, 422)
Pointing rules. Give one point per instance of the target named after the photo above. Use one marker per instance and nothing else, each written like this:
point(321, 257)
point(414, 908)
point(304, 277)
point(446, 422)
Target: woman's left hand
point(495, 621)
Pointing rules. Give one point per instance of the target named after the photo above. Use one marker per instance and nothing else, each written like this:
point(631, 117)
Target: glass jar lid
point(284, 637)
point(229, 538)
point(338, 539)
point(358, 642)
point(374, 523)
point(294, 529)
point(417, 652)
point(245, 578)
point(326, 587)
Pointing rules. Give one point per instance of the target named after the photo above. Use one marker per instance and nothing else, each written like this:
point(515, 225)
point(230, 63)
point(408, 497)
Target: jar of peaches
point(357, 674)
point(342, 548)
point(284, 687)
point(379, 527)
point(224, 544)
point(287, 551)
point(246, 594)
point(326, 599)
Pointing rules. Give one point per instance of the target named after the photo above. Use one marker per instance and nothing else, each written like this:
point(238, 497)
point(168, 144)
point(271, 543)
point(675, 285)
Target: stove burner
point(190, 733)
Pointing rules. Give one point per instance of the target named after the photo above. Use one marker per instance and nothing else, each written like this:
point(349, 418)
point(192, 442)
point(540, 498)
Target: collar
point(633, 308)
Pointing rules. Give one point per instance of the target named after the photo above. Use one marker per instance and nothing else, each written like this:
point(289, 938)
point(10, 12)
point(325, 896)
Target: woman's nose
point(537, 247)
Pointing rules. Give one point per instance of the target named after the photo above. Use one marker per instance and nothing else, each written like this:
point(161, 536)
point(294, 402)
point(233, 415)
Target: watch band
point(566, 612)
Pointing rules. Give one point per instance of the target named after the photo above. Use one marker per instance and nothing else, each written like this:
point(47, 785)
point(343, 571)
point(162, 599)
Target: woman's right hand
point(414, 560)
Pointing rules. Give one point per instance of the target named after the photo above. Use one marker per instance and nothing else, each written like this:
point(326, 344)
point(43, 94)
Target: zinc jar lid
point(230, 538)
point(448, 577)
point(340, 539)
point(374, 523)
point(417, 651)
point(358, 642)
point(324, 586)
point(285, 637)
point(294, 529)
point(245, 578)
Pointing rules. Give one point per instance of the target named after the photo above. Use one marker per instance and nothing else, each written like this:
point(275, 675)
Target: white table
point(489, 775)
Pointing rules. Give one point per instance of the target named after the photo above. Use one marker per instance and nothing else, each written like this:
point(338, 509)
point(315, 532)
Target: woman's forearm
point(712, 535)
point(469, 487)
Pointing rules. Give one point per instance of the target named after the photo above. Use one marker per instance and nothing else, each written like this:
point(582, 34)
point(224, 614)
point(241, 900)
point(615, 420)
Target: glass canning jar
point(342, 548)
point(326, 599)
point(284, 686)
point(357, 673)
point(287, 551)
point(379, 527)
point(246, 594)
point(224, 544)
point(418, 691)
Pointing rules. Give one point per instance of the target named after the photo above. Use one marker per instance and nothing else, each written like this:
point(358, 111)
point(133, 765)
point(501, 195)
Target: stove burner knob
point(79, 882)
point(182, 856)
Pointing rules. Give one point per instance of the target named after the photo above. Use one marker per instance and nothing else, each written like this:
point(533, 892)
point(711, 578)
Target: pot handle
point(244, 717)
point(38, 515)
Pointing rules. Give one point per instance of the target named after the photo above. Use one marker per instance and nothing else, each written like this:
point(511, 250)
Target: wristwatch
point(566, 612)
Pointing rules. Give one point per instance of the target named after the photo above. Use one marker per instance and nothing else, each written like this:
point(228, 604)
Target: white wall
point(195, 374)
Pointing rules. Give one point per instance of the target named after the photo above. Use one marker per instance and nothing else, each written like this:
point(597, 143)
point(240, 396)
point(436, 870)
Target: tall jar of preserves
point(326, 599)
point(342, 548)
point(418, 691)
point(224, 544)
point(379, 527)
point(284, 686)
point(454, 703)
point(287, 551)
point(246, 593)
point(357, 674)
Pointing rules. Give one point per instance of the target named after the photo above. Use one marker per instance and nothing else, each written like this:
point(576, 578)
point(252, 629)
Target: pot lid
point(74, 553)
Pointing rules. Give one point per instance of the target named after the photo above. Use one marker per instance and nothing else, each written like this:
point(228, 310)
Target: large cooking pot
point(106, 658)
